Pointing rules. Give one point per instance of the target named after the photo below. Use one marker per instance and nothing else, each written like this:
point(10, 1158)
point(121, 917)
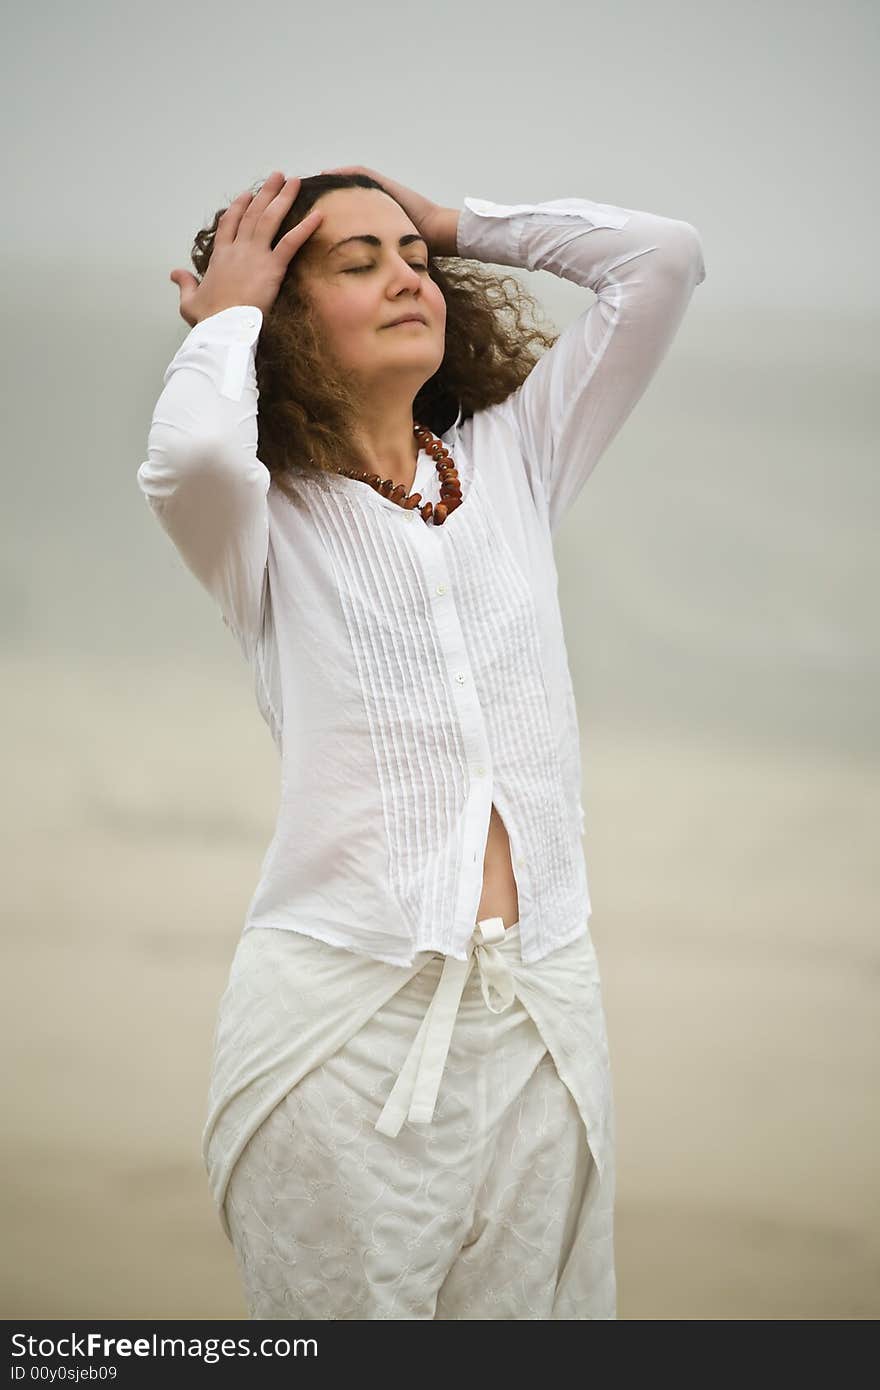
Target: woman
point(411, 1110)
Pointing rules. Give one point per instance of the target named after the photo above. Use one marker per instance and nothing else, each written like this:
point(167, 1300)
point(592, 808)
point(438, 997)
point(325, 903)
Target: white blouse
point(412, 674)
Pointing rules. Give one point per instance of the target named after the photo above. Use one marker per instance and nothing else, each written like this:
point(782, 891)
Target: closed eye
point(356, 269)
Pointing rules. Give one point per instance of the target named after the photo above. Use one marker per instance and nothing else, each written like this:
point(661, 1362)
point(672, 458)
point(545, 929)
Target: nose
point(408, 274)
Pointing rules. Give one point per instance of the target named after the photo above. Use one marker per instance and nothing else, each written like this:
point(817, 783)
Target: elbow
point(174, 457)
point(686, 254)
point(199, 462)
point(174, 454)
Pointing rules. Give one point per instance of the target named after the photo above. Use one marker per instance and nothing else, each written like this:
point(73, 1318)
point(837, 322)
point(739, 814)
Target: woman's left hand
point(425, 214)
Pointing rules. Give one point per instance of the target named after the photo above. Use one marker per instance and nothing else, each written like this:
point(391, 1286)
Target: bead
point(444, 463)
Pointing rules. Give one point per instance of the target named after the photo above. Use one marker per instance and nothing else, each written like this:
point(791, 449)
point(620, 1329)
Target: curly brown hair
point(309, 402)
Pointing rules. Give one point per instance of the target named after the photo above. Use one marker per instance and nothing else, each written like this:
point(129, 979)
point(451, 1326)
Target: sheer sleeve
point(202, 477)
point(643, 269)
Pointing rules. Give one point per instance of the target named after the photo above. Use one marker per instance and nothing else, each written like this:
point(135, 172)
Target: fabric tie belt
point(415, 1090)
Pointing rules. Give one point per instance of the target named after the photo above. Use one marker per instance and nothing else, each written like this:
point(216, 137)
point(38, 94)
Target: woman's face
point(359, 288)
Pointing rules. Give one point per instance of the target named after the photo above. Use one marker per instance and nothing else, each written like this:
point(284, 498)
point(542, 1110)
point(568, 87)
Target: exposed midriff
point(499, 897)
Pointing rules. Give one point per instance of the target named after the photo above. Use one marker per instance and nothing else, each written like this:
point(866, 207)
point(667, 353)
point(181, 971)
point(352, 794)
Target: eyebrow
point(374, 240)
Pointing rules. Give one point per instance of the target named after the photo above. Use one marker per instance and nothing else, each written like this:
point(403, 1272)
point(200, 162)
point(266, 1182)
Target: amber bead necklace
point(450, 492)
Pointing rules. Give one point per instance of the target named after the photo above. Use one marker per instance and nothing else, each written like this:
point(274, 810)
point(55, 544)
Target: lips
point(407, 318)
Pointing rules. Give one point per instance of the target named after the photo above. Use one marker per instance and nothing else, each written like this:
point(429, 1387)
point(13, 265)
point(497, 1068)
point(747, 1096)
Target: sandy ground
point(736, 927)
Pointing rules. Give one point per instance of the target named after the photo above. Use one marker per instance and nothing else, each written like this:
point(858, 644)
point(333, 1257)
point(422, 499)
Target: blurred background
point(718, 578)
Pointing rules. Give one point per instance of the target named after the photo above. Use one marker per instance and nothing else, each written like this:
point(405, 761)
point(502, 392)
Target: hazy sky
point(719, 567)
point(127, 125)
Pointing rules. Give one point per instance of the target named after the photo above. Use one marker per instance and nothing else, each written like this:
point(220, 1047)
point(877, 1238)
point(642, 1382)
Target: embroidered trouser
point(434, 1166)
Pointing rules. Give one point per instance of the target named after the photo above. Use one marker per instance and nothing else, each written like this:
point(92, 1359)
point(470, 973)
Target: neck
point(388, 446)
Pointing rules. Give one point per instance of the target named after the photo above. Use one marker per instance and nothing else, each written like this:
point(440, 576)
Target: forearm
point(443, 232)
point(593, 244)
point(202, 477)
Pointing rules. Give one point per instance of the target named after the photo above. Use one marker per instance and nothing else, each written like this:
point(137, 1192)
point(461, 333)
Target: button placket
point(474, 735)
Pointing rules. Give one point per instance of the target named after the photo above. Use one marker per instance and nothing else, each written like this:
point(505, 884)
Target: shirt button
point(480, 771)
point(460, 677)
point(441, 588)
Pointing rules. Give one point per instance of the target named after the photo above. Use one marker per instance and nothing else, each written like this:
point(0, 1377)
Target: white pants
point(451, 1158)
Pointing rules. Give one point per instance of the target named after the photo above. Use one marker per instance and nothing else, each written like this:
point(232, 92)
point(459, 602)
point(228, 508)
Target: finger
point(269, 190)
point(347, 169)
point(183, 280)
point(293, 240)
point(230, 220)
point(276, 211)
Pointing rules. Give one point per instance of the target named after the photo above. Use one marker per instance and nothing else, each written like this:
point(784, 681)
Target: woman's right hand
point(243, 269)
